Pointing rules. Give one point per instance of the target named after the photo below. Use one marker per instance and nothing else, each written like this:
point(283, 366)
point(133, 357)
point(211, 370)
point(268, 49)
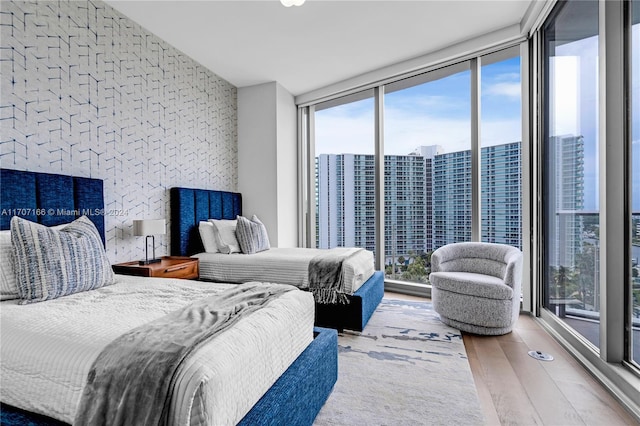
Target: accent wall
point(88, 92)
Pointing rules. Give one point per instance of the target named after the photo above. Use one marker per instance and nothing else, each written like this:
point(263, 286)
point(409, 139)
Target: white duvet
point(282, 265)
point(47, 348)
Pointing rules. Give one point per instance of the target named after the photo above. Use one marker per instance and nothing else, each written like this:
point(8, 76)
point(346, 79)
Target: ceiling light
point(289, 3)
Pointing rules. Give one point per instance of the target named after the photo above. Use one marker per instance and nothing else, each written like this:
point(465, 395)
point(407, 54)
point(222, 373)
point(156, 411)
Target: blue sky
point(433, 113)
point(438, 112)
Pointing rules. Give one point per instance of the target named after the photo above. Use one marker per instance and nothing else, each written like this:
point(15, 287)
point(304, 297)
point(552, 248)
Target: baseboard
point(411, 289)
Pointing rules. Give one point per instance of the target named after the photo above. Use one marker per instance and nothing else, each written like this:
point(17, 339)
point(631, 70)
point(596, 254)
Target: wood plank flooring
point(516, 389)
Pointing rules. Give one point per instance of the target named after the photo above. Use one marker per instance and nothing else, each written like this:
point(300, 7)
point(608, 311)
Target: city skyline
point(437, 113)
point(427, 199)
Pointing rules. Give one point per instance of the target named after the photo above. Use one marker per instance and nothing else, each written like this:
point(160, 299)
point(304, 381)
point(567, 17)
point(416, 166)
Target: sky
point(433, 113)
point(438, 112)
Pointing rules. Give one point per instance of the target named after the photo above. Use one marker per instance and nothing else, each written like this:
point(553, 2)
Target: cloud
point(406, 131)
point(510, 90)
point(341, 135)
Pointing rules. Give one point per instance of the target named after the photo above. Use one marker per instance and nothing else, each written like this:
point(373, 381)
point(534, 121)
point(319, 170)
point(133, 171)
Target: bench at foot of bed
point(355, 315)
point(294, 399)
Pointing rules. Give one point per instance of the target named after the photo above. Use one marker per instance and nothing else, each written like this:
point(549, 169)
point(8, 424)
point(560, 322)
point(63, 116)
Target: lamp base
point(149, 262)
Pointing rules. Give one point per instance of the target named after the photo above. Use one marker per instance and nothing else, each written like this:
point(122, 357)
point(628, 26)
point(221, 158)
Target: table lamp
point(149, 228)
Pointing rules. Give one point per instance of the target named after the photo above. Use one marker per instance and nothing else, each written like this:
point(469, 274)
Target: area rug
point(405, 368)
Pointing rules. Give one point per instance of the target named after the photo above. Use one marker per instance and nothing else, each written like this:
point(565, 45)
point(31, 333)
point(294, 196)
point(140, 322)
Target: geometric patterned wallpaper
point(88, 92)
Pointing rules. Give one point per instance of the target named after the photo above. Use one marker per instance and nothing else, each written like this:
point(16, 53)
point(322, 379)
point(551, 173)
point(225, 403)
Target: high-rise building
point(451, 198)
point(427, 199)
point(405, 205)
point(501, 201)
point(568, 197)
point(345, 204)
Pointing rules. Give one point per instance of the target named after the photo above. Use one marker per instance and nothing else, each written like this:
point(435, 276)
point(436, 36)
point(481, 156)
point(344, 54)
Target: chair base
point(476, 329)
point(476, 315)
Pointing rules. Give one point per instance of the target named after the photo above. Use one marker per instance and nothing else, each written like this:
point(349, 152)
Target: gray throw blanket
point(326, 276)
point(131, 381)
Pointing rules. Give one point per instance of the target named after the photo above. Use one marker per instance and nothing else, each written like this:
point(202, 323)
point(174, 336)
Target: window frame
point(307, 147)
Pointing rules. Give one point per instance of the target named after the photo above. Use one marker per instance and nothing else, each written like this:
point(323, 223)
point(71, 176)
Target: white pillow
point(8, 280)
point(208, 236)
point(225, 232)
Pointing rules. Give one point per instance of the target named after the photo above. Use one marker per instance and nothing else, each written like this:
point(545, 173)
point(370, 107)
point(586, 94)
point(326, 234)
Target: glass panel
point(570, 168)
point(345, 173)
point(635, 191)
point(500, 141)
point(427, 169)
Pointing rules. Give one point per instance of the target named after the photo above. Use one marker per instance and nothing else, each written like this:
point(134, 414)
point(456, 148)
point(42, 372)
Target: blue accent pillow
point(252, 235)
point(50, 263)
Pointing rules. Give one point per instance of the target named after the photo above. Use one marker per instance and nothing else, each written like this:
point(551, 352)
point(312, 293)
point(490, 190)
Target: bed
point(191, 206)
point(44, 368)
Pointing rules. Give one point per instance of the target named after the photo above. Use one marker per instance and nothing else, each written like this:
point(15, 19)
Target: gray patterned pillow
point(51, 263)
point(252, 235)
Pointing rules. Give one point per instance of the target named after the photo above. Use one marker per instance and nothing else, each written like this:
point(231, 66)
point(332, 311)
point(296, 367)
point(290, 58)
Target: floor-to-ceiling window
point(634, 288)
point(589, 170)
point(501, 148)
point(429, 140)
point(570, 168)
point(344, 173)
point(427, 184)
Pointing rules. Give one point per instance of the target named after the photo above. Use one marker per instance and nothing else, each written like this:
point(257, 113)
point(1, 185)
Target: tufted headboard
point(50, 199)
point(190, 206)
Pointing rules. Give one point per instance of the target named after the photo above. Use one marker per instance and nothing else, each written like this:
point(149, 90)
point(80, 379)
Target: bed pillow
point(252, 235)
point(8, 283)
point(225, 232)
point(208, 236)
point(50, 263)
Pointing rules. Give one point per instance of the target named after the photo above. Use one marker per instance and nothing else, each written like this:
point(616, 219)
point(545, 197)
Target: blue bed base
point(308, 382)
point(295, 398)
point(190, 206)
point(357, 313)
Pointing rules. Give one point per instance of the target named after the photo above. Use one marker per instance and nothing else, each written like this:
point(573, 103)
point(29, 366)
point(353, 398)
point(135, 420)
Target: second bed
point(363, 286)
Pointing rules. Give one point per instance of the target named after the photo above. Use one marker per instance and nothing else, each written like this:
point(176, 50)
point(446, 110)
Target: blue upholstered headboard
point(50, 199)
point(190, 206)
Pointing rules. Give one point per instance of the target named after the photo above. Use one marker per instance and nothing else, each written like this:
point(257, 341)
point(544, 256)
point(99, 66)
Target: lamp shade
point(149, 227)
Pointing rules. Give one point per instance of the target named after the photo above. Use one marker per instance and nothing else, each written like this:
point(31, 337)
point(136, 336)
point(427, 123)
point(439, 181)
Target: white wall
point(287, 168)
point(267, 159)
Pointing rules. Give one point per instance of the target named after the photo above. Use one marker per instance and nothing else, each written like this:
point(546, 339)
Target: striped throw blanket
point(326, 275)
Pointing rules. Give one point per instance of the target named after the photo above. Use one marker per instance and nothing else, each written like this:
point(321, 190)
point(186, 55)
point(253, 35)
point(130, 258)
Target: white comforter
point(47, 348)
point(282, 265)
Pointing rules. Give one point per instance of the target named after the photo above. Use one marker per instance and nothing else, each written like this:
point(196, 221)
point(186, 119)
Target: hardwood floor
point(516, 389)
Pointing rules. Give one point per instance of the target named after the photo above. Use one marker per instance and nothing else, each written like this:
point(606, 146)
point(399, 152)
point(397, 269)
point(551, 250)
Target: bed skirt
point(312, 374)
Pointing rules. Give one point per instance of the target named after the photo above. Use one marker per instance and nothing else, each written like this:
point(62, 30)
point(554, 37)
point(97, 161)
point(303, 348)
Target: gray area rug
point(405, 368)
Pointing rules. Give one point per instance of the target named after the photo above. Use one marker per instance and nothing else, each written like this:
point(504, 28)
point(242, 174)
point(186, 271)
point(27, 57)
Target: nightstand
point(168, 267)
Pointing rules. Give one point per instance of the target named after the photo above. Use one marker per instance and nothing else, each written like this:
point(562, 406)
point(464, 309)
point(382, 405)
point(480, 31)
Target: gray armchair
point(476, 287)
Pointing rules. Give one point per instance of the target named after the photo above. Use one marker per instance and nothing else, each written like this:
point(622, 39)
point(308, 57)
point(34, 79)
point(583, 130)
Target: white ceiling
point(319, 43)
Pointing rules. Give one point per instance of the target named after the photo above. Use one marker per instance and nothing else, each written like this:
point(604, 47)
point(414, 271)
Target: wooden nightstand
point(169, 267)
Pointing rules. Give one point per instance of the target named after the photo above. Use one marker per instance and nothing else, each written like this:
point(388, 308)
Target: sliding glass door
point(634, 287)
point(570, 168)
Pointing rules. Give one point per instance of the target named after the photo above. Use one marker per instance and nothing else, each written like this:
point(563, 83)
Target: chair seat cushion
point(472, 284)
